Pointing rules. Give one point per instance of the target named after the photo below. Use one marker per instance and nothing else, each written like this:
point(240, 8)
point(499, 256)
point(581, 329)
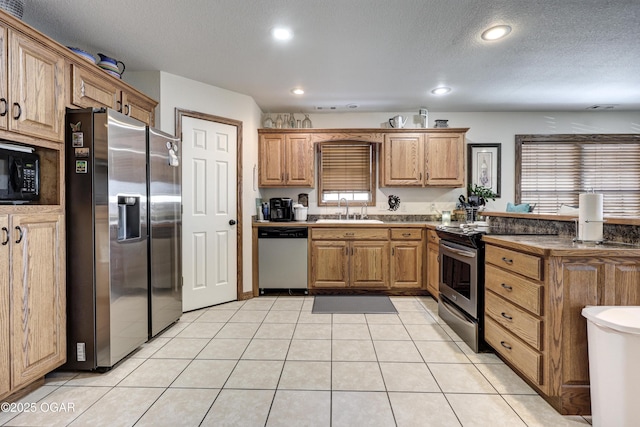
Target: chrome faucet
point(363, 208)
point(347, 208)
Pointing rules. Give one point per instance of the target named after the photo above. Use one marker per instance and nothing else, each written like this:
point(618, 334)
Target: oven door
point(459, 276)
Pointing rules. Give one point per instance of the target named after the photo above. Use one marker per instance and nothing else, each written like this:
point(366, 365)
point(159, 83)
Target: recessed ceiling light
point(281, 33)
point(495, 33)
point(441, 90)
point(297, 91)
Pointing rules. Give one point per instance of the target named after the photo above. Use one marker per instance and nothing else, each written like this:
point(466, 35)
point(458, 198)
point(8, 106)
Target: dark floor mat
point(353, 304)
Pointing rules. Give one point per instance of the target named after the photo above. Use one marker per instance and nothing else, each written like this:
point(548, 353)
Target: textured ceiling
point(382, 55)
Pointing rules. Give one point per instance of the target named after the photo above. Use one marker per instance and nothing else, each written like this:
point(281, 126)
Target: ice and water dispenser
point(129, 225)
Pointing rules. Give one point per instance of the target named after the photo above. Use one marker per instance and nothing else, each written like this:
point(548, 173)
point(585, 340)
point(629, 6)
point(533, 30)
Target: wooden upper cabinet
point(4, 96)
point(138, 107)
point(36, 93)
point(89, 89)
point(423, 159)
point(286, 160)
point(92, 87)
point(444, 157)
point(403, 160)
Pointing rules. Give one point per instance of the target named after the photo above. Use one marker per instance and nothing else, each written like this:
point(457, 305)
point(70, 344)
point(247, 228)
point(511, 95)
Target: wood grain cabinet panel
point(433, 263)
point(329, 264)
point(528, 361)
point(38, 316)
point(36, 96)
point(522, 324)
point(517, 262)
point(523, 292)
point(426, 159)
point(406, 264)
point(369, 264)
point(444, 157)
point(5, 359)
point(286, 160)
point(91, 87)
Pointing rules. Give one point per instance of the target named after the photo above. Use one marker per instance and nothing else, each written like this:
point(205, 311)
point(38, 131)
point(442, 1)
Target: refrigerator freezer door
point(165, 200)
point(121, 306)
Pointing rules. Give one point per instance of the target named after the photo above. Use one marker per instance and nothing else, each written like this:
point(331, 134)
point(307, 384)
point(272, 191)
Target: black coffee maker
point(281, 209)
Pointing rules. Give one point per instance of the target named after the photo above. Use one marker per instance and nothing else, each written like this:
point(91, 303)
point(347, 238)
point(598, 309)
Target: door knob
point(232, 222)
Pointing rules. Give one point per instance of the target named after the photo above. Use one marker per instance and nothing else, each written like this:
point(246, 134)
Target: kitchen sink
point(349, 221)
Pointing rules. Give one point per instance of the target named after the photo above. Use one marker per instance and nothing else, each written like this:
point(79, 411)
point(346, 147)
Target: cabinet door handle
point(346, 250)
point(119, 106)
point(6, 236)
point(4, 105)
point(16, 117)
point(507, 287)
point(420, 176)
point(21, 234)
point(506, 316)
point(507, 260)
point(127, 109)
point(505, 345)
point(393, 251)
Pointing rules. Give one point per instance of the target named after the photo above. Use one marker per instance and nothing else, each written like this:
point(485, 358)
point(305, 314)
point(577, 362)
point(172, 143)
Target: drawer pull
point(506, 316)
point(505, 345)
point(349, 234)
point(406, 234)
point(507, 287)
point(507, 260)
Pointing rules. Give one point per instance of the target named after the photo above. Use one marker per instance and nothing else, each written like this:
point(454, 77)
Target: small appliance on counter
point(300, 212)
point(281, 209)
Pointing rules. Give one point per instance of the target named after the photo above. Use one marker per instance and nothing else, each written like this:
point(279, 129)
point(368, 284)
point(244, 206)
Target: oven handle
point(466, 254)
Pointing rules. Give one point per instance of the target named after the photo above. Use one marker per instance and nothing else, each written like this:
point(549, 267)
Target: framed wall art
point(483, 166)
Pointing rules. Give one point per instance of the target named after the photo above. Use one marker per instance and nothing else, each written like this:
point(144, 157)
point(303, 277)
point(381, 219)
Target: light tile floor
point(271, 362)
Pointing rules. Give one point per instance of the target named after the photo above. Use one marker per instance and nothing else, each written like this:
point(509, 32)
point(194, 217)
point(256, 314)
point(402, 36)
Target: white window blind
point(346, 171)
point(554, 169)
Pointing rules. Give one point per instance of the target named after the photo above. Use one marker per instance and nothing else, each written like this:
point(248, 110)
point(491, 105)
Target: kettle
point(111, 65)
point(397, 121)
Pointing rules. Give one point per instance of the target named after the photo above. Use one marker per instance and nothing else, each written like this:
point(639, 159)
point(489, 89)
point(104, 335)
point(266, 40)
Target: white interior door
point(209, 188)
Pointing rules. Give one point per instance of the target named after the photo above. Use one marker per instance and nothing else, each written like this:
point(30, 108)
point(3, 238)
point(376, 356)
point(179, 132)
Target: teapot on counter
point(110, 65)
point(397, 121)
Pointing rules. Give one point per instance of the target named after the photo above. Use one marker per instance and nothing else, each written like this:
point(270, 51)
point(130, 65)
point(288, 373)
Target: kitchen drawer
point(518, 262)
point(432, 237)
point(406, 234)
point(525, 293)
point(520, 355)
point(522, 324)
point(350, 233)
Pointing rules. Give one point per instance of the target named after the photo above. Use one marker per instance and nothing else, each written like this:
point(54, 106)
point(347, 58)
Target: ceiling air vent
point(603, 107)
point(335, 107)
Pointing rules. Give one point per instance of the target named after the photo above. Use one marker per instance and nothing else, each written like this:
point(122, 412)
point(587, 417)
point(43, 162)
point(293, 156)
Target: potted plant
point(479, 195)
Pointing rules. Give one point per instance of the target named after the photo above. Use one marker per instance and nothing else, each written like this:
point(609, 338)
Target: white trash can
point(613, 335)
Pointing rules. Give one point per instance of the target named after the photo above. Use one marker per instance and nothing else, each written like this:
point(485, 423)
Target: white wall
point(483, 128)
point(178, 92)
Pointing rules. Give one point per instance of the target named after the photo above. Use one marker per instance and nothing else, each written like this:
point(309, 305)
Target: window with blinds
point(552, 170)
point(346, 171)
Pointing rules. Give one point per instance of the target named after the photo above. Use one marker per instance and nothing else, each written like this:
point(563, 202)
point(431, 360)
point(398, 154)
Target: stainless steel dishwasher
point(282, 258)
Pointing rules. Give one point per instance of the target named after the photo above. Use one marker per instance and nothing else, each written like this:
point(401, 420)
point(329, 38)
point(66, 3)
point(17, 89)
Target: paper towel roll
point(590, 217)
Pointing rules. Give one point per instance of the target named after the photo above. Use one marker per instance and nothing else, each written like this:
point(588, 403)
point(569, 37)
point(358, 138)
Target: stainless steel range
point(461, 303)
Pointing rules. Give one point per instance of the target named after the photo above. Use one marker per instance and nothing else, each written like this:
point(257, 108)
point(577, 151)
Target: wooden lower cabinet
point(433, 263)
point(341, 264)
point(34, 314)
point(537, 325)
point(407, 263)
point(367, 258)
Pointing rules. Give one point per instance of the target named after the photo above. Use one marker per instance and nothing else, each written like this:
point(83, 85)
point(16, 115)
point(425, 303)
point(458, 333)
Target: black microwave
point(19, 176)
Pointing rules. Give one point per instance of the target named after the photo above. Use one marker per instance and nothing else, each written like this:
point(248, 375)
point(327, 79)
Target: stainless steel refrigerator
point(165, 228)
point(107, 261)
